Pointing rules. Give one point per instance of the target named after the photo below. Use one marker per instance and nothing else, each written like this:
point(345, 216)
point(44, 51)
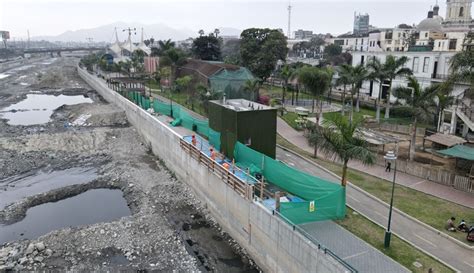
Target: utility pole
point(289, 20)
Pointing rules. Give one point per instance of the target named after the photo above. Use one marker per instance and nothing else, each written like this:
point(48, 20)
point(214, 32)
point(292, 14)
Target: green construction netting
point(329, 198)
point(460, 151)
point(231, 82)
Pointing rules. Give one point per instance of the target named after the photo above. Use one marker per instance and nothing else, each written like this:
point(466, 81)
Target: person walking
point(389, 167)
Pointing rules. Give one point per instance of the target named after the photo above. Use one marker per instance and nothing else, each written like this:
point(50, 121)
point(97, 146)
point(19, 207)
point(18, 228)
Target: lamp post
point(390, 156)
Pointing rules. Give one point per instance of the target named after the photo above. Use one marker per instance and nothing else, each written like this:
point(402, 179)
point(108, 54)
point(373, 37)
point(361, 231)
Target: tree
point(260, 50)
point(163, 46)
point(317, 81)
point(182, 85)
point(201, 32)
point(207, 94)
point(376, 73)
point(344, 79)
point(360, 75)
point(207, 48)
point(462, 65)
point(444, 100)
point(338, 138)
point(216, 32)
point(173, 57)
point(285, 74)
point(333, 50)
point(421, 102)
point(252, 86)
point(393, 68)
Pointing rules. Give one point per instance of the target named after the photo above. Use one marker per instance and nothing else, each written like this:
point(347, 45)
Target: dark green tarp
point(459, 151)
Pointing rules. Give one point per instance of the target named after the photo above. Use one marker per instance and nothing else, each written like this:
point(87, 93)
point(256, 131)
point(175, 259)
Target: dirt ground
point(168, 229)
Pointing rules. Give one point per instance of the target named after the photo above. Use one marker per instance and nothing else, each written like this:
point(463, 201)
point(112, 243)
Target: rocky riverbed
point(166, 229)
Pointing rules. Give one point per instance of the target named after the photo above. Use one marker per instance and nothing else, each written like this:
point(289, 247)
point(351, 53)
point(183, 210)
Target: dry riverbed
point(81, 191)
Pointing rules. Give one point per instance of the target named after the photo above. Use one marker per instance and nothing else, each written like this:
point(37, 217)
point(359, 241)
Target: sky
point(53, 17)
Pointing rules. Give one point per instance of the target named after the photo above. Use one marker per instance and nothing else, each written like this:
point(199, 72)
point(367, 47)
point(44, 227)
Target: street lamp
point(390, 156)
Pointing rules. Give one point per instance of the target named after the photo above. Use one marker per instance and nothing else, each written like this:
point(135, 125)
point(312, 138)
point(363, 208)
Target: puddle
point(38, 108)
point(93, 206)
point(16, 188)
point(3, 76)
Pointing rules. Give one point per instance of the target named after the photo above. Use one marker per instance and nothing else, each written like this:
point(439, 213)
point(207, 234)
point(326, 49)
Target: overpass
point(58, 50)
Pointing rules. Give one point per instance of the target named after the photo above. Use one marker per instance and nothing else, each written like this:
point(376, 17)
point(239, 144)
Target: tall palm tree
point(376, 73)
point(318, 81)
point(393, 68)
point(361, 73)
point(421, 102)
point(285, 74)
point(338, 138)
point(344, 79)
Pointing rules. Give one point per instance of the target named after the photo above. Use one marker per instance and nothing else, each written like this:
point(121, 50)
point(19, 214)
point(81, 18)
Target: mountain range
point(105, 33)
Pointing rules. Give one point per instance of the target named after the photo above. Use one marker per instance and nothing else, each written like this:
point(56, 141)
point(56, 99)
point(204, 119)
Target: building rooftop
point(240, 105)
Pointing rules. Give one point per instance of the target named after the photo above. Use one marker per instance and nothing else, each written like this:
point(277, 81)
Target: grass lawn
point(290, 118)
point(399, 250)
point(431, 210)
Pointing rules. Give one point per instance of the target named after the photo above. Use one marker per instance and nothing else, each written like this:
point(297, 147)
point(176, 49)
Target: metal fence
point(440, 176)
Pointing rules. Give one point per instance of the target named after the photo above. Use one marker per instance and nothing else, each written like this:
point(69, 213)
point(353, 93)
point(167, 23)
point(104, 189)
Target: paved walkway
point(404, 226)
point(420, 184)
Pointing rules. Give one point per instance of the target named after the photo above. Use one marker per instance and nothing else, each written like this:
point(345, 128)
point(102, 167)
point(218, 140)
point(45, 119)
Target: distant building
point(303, 34)
point(361, 24)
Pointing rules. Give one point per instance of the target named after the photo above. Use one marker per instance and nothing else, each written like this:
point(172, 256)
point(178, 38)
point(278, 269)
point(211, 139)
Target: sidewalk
point(424, 238)
point(420, 184)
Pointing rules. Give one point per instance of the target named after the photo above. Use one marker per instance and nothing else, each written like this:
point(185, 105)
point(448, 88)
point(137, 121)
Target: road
point(405, 227)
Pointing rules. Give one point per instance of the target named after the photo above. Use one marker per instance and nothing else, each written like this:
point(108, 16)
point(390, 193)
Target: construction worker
point(193, 140)
point(226, 166)
point(213, 153)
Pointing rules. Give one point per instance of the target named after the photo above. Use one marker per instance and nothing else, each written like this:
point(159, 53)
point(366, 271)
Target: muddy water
point(38, 108)
point(16, 188)
point(93, 206)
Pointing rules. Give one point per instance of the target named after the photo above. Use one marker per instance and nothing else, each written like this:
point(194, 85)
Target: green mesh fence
point(323, 200)
point(231, 82)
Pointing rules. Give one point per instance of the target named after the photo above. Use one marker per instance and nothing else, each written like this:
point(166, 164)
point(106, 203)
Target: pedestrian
point(389, 167)
point(193, 140)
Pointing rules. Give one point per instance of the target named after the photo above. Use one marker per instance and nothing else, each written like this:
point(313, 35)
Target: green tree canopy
point(207, 47)
point(260, 50)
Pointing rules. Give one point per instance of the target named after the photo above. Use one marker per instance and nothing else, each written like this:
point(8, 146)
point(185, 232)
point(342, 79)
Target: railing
point(315, 241)
point(247, 191)
point(467, 110)
point(228, 177)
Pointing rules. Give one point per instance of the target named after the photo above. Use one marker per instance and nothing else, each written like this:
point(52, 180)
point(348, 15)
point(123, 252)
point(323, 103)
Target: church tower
point(458, 16)
point(458, 10)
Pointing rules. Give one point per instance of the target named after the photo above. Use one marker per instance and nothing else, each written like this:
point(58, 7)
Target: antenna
point(289, 19)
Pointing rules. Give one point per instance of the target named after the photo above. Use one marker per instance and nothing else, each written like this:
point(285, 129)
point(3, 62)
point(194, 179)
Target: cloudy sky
point(52, 17)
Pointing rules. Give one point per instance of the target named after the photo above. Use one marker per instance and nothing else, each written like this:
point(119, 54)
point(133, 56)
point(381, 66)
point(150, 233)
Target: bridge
point(58, 50)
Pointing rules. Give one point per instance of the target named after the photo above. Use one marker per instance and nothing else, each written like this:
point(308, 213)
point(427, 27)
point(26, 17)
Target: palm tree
point(360, 75)
point(201, 32)
point(421, 102)
point(444, 100)
point(338, 138)
point(285, 74)
point(317, 80)
point(393, 68)
point(344, 79)
point(206, 94)
point(252, 86)
point(376, 73)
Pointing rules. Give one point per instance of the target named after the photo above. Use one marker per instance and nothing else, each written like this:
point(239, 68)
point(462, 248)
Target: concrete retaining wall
point(272, 243)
